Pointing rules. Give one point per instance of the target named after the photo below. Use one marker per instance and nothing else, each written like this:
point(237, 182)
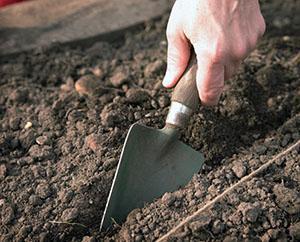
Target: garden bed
point(64, 115)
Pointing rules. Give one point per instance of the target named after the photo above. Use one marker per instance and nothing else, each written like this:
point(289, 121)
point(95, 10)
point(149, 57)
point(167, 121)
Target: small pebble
point(42, 140)
point(28, 125)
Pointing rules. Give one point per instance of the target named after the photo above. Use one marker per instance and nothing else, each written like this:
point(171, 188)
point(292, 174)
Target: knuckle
point(214, 51)
point(217, 52)
point(241, 50)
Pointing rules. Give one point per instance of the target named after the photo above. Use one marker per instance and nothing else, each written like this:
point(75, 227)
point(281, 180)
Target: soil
point(65, 112)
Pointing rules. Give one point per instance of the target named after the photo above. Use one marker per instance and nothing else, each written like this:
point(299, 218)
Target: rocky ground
point(65, 112)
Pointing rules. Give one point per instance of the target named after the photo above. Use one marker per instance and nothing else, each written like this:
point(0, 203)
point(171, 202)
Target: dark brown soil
point(65, 112)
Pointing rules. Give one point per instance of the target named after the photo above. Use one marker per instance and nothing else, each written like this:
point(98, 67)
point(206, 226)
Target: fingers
point(210, 80)
point(178, 56)
point(177, 60)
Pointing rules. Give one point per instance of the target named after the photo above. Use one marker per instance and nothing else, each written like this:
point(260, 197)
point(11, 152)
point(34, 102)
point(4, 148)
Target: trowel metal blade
point(151, 164)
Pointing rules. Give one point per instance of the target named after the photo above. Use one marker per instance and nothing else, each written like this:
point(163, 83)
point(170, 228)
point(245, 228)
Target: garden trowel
point(154, 161)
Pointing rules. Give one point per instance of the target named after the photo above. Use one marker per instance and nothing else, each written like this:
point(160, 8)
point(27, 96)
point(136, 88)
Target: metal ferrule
point(179, 114)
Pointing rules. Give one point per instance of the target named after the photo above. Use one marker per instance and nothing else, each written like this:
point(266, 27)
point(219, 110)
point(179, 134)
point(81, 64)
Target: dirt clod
point(35, 200)
point(201, 222)
point(168, 199)
point(154, 68)
point(295, 231)
point(43, 190)
point(118, 79)
point(288, 199)
point(88, 239)
point(239, 169)
point(136, 96)
point(218, 227)
point(53, 180)
point(68, 86)
point(163, 101)
point(18, 96)
point(87, 85)
point(41, 152)
point(111, 116)
point(7, 213)
point(93, 142)
point(249, 211)
point(70, 215)
point(3, 171)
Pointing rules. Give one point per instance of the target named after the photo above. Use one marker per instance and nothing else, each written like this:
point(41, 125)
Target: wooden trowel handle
point(185, 98)
point(186, 91)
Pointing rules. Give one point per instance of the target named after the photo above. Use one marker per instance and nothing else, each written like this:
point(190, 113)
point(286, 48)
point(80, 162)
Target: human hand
point(222, 33)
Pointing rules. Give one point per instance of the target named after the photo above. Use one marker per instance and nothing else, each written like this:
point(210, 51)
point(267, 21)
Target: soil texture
point(65, 112)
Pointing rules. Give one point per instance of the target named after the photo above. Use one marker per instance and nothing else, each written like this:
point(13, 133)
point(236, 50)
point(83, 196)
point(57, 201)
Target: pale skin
point(222, 33)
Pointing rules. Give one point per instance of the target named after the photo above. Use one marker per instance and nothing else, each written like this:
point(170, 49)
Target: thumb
point(178, 58)
point(210, 79)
